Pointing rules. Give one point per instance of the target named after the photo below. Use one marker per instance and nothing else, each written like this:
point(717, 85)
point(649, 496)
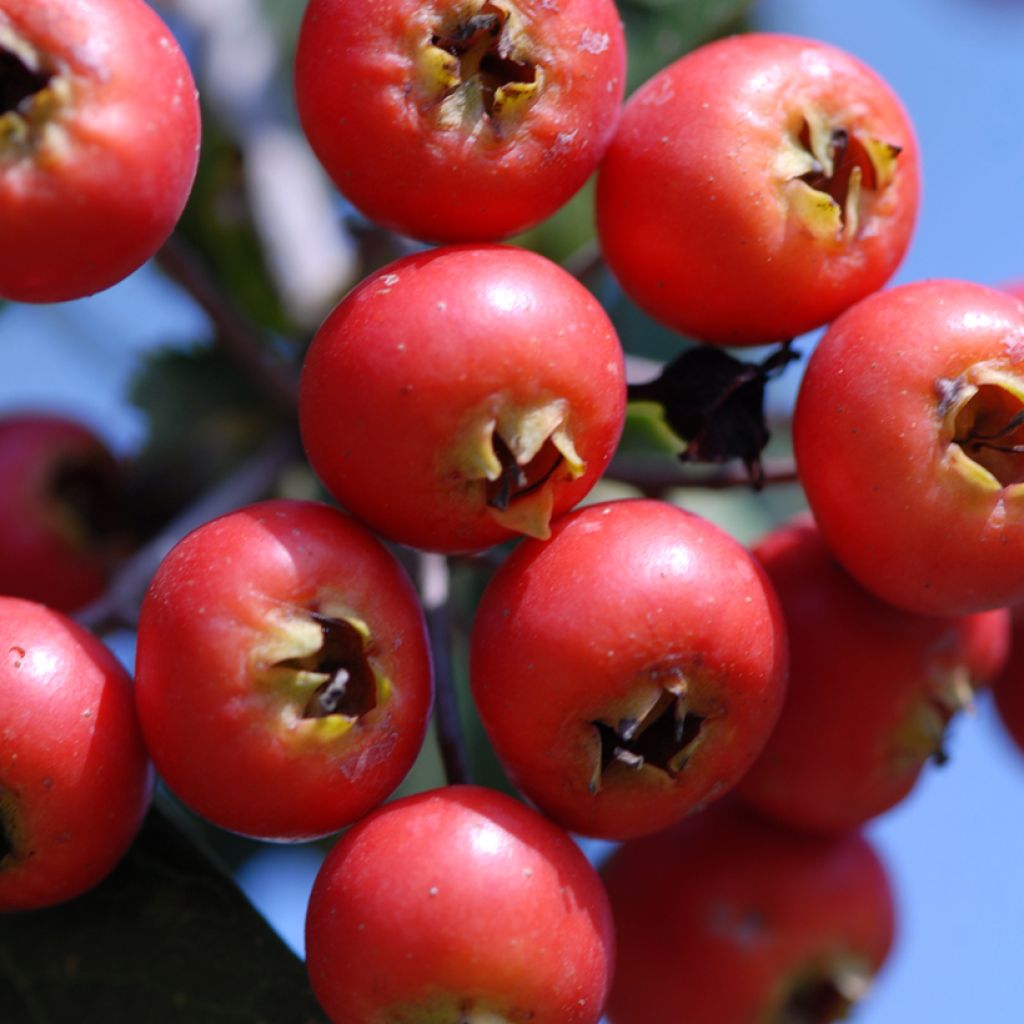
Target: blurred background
point(127, 362)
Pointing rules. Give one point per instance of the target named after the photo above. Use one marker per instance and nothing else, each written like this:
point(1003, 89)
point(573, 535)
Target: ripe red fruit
point(99, 140)
point(871, 689)
point(1008, 686)
point(987, 639)
point(756, 188)
point(459, 905)
point(58, 502)
point(737, 920)
point(283, 676)
point(459, 120)
point(74, 778)
point(908, 440)
point(630, 668)
point(463, 395)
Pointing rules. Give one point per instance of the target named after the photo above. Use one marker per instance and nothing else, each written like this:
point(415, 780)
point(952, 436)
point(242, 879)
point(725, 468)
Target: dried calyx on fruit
point(660, 732)
point(826, 991)
point(479, 65)
point(831, 174)
point(924, 731)
point(32, 92)
point(515, 451)
point(324, 660)
point(983, 418)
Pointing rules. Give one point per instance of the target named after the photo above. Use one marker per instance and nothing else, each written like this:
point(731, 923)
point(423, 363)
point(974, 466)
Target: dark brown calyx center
point(517, 481)
point(18, 81)
point(989, 428)
point(832, 173)
point(846, 159)
point(816, 1000)
point(88, 495)
point(825, 994)
point(481, 46)
point(350, 689)
point(661, 738)
point(8, 849)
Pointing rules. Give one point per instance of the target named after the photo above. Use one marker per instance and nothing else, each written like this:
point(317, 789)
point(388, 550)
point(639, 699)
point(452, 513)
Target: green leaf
point(647, 433)
point(565, 231)
point(660, 31)
point(167, 939)
point(218, 225)
point(285, 16)
point(204, 418)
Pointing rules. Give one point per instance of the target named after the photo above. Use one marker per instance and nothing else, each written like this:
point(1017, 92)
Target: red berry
point(99, 141)
point(459, 905)
point(74, 778)
point(283, 675)
point(756, 188)
point(871, 689)
point(463, 395)
point(1008, 687)
point(910, 445)
point(630, 668)
point(58, 505)
point(459, 120)
point(730, 920)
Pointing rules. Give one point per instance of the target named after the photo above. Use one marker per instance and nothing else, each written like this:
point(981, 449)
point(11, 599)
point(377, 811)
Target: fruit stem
point(655, 476)
point(254, 479)
point(434, 579)
point(240, 340)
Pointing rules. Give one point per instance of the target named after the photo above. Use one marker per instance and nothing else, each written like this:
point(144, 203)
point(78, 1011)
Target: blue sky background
point(956, 847)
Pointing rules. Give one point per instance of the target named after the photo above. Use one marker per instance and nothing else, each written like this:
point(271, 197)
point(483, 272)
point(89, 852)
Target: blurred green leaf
point(167, 939)
point(646, 432)
point(659, 31)
point(566, 231)
point(285, 16)
point(218, 225)
point(204, 418)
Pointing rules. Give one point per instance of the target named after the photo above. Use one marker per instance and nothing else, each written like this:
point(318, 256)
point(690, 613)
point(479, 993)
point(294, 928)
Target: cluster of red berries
point(629, 660)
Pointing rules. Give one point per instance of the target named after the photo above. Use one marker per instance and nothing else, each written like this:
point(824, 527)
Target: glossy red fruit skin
point(988, 642)
point(626, 599)
point(225, 733)
point(75, 780)
point(456, 903)
point(1008, 685)
point(47, 551)
point(692, 204)
point(902, 506)
point(418, 352)
point(359, 84)
point(871, 689)
point(99, 191)
point(724, 913)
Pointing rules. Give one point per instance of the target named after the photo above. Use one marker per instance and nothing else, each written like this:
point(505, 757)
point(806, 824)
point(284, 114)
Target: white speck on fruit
point(593, 42)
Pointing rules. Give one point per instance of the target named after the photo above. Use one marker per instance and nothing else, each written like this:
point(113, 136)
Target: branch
point(434, 578)
point(119, 605)
point(653, 476)
point(239, 338)
point(584, 261)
